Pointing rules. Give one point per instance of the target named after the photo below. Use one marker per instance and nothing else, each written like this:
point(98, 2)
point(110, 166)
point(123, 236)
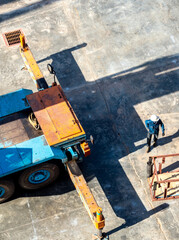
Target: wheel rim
point(39, 176)
point(2, 191)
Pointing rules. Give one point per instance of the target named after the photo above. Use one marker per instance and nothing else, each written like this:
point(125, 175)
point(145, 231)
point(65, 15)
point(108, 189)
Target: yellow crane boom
point(94, 211)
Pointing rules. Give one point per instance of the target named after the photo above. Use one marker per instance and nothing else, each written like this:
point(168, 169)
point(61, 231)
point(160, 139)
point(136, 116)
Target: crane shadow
point(106, 110)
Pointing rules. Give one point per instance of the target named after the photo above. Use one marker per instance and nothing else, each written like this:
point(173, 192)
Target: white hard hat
point(154, 118)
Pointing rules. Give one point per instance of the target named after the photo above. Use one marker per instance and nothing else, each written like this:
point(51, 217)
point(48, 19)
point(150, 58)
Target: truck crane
point(37, 132)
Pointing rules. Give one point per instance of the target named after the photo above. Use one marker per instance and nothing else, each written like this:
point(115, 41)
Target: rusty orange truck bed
point(55, 116)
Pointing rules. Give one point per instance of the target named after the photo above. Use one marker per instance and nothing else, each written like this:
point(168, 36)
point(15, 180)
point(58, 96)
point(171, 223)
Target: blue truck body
point(22, 147)
point(16, 157)
point(28, 154)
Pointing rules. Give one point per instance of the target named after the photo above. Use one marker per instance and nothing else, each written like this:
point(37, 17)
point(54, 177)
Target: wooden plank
point(12, 131)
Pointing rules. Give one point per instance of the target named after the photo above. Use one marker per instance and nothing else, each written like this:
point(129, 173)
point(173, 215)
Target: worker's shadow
point(164, 140)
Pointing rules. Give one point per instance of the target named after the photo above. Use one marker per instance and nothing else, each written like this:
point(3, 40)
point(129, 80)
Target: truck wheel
point(7, 189)
point(39, 176)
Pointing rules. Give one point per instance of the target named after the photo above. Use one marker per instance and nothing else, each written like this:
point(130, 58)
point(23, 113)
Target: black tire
point(25, 179)
point(7, 189)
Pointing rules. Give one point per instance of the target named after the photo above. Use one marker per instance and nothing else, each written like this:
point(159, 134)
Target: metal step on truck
point(37, 132)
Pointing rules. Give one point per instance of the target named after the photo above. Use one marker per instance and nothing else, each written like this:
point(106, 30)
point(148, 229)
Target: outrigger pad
point(96, 237)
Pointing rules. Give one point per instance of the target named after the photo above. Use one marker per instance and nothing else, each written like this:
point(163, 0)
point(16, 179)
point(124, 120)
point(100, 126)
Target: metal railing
point(156, 182)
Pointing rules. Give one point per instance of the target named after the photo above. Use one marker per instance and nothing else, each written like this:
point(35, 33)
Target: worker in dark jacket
point(152, 126)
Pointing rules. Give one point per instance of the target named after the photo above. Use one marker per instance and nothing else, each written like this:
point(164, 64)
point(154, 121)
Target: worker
point(152, 126)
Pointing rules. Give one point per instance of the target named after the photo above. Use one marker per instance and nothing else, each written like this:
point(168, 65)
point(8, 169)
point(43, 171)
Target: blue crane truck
point(39, 132)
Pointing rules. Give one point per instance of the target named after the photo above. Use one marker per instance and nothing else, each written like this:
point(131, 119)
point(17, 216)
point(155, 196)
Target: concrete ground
point(118, 63)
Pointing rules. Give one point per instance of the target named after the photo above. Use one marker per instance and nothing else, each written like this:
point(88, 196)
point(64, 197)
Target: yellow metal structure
point(50, 106)
point(30, 62)
point(60, 124)
point(94, 211)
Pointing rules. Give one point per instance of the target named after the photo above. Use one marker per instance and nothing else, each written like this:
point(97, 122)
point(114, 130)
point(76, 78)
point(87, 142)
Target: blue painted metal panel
point(34, 150)
point(27, 154)
point(14, 102)
point(59, 154)
point(10, 159)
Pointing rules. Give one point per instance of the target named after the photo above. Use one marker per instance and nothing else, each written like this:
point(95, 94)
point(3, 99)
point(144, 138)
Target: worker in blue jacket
point(152, 126)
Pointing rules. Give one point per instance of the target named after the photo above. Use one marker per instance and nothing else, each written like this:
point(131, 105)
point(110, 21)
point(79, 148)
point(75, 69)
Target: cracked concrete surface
point(118, 63)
